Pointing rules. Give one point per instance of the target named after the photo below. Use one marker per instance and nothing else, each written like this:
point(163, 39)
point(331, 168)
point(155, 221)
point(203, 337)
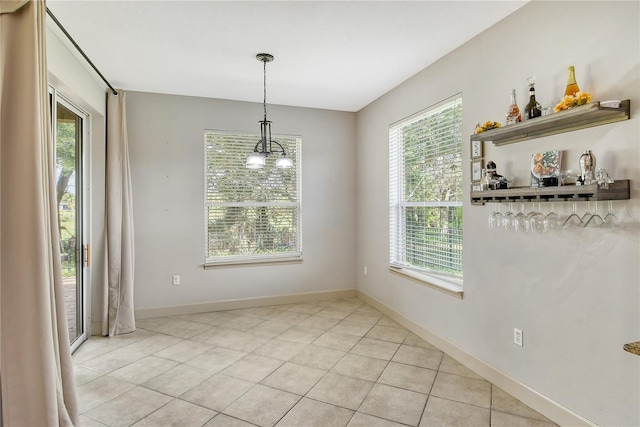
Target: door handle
point(87, 255)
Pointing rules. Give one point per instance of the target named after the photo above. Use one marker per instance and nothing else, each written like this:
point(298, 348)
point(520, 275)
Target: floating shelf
point(585, 116)
point(619, 190)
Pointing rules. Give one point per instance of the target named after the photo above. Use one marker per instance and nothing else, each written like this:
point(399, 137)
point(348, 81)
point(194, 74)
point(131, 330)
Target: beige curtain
point(117, 313)
point(35, 358)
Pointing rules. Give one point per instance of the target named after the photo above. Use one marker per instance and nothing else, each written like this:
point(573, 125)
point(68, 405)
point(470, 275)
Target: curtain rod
point(115, 92)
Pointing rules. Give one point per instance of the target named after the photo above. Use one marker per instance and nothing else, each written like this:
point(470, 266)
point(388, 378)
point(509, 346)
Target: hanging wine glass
point(536, 221)
point(587, 214)
point(521, 220)
point(551, 220)
point(531, 214)
point(496, 218)
point(595, 219)
point(573, 220)
point(509, 219)
point(611, 220)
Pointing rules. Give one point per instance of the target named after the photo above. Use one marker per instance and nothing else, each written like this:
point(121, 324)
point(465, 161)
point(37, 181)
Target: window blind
point(425, 190)
point(251, 215)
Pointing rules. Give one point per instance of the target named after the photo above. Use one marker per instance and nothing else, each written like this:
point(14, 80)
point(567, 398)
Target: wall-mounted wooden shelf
point(585, 116)
point(619, 190)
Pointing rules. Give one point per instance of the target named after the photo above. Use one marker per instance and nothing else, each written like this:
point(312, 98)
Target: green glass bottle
point(532, 109)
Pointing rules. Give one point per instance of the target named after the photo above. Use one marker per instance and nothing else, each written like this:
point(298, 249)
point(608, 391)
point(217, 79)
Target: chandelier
point(267, 146)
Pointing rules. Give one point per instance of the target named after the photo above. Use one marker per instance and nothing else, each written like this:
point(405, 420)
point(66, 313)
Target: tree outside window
point(251, 215)
point(425, 178)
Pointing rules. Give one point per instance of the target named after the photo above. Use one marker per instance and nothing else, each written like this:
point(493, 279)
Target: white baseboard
point(96, 328)
point(547, 407)
point(147, 313)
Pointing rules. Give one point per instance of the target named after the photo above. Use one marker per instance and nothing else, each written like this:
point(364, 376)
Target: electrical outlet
point(365, 270)
point(517, 337)
point(176, 280)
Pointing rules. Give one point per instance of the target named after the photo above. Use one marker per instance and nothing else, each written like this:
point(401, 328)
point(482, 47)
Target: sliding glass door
point(69, 130)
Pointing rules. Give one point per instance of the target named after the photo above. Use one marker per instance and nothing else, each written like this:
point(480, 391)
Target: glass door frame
point(82, 210)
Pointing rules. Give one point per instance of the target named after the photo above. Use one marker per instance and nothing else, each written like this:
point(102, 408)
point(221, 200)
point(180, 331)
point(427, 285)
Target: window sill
point(294, 258)
point(449, 287)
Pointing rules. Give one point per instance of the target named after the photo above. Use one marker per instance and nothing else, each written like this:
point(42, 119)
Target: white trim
point(96, 329)
point(286, 258)
point(408, 142)
point(544, 405)
point(232, 153)
point(147, 313)
point(442, 284)
point(84, 199)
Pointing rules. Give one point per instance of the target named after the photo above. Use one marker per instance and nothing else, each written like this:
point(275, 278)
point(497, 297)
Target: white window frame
point(449, 283)
point(246, 143)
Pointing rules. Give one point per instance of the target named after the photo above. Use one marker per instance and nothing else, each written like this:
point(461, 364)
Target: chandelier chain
point(264, 102)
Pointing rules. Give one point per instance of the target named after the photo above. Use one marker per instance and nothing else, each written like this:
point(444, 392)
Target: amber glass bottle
point(572, 85)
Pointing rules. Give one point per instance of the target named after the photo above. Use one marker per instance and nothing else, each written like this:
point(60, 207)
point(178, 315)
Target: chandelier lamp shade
point(267, 146)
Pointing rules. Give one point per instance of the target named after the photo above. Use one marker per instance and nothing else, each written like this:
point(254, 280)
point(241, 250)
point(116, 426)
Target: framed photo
point(476, 170)
point(476, 187)
point(476, 149)
point(544, 166)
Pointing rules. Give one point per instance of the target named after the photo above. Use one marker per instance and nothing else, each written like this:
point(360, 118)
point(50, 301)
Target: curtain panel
point(10, 6)
point(117, 314)
point(36, 371)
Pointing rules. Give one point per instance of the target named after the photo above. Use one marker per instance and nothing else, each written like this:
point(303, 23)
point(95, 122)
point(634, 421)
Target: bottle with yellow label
point(572, 85)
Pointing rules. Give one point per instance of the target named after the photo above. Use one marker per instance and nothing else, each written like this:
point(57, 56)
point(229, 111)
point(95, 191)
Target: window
point(425, 195)
point(251, 215)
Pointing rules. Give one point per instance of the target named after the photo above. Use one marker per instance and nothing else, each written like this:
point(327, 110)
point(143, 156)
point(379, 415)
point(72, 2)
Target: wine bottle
point(532, 109)
point(484, 183)
point(513, 114)
point(572, 85)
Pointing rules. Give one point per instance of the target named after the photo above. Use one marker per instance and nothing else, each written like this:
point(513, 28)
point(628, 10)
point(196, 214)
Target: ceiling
point(338, 55)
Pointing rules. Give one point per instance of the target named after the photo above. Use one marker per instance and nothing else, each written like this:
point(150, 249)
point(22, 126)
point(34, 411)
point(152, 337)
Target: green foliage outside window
point(66, 199)
point(426, 191)
point(249, 212)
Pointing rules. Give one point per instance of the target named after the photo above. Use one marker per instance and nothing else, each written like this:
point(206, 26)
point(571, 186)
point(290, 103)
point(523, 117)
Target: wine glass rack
point(618, 190)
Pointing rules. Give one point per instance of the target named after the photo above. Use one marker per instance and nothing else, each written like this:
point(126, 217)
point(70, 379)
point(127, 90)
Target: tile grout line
point(424, 409)
point(292, 325)
point(371, 388)
point(301, 396)
point(490, 404)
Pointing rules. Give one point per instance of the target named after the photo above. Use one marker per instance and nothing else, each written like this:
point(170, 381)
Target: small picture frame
point(476, 187)
point(476, 149)
point(476, 170)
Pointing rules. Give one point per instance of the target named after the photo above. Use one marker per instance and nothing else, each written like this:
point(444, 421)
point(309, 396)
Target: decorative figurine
point(495, 181)
point(603, 179)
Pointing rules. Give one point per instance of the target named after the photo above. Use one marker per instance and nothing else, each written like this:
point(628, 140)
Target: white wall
point(166, 139)
point(72, 79)
point(575, 295)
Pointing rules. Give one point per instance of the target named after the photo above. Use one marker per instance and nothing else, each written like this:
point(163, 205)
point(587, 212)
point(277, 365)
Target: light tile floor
point(331, 363)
